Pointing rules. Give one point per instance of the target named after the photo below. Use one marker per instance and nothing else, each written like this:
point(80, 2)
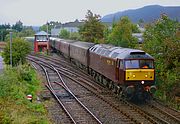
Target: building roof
point(42, 33)
point(76, 23)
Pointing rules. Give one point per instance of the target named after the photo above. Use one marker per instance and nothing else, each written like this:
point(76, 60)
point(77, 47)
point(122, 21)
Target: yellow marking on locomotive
point(140, 74)
point(109, 62)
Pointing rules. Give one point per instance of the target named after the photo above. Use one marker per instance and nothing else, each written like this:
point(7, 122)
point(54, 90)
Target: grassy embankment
point(15, 84)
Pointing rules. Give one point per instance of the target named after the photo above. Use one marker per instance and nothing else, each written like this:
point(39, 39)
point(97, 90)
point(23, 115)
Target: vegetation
point(26, 32)
point(64, 34)
point(4, 31)
point(18, 26)
point(162, 42)
point(18, 31)
point(121, 34)
point(69, 35)
point(20, 48)
point(75, 36)
point(92, 30)
point(16, 84)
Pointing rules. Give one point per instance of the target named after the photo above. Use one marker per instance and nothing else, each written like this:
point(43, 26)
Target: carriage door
point(121, 71)
point(117, 69)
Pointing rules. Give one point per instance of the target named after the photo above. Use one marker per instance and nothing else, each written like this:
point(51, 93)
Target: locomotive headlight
point(146, 75)
point(134, 75)
point(142, 82)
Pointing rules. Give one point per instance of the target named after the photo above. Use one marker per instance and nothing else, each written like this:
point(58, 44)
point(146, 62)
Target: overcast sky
point(38, 12)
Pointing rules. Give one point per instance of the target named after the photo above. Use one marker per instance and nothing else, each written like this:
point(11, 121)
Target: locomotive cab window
point(132, 63)
point(146, 64)
point(139, 64)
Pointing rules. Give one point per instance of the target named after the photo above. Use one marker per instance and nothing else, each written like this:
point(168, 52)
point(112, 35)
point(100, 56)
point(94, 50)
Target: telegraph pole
point(47, 38)
point(11, 49)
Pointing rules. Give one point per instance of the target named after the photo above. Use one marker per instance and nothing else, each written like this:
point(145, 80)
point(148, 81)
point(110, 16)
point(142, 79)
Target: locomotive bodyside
point(102, 64)
point(122, 68)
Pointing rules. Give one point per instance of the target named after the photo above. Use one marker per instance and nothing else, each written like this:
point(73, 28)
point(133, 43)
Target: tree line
point(18, 30)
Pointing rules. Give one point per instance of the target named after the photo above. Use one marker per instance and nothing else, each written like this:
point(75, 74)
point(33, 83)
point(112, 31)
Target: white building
point(70, 27)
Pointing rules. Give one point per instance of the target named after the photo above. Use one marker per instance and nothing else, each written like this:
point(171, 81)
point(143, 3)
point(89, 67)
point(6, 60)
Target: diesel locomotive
point(128, 72)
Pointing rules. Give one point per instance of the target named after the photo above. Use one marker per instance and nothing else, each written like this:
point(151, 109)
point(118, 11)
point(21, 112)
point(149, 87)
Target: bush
point(20, 48)
point(14, 106)
point(162, 42)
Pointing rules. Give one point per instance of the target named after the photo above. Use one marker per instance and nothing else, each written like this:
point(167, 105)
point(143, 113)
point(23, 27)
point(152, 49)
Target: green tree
point(4, 30)
point(75, 36)
point(26, 32)
point(18, 26)
point(64, 34)
point(92, 30)
point(161, 40)
point(3, 33)
point(20, 48)
point(121, 34)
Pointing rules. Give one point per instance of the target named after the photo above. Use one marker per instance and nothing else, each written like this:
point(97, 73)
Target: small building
point(69, 26)
point(41, 42)
point(139, 36)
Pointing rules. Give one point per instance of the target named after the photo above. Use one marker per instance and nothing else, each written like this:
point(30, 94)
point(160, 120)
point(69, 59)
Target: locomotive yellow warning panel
point(140, 74)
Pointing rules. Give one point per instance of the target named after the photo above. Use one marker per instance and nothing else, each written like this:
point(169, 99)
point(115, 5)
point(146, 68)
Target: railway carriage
point(65, 47)
point(54, 43)
point(79, 53)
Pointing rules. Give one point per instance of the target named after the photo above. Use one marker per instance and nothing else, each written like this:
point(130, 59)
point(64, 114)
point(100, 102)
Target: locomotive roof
point(81, 44)
point(119, 52)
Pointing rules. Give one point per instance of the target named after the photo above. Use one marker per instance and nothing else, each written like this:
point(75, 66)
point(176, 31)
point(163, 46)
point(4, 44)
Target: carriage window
point(146, 64)
point(132, 64)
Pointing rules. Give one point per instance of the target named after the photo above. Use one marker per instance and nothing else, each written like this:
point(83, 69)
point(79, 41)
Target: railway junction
point(75, 97)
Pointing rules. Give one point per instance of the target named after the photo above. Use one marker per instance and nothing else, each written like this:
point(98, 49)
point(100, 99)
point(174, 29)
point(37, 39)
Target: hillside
point(147, 13)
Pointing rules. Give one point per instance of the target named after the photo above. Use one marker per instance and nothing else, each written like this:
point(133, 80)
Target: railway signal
point(29, 97)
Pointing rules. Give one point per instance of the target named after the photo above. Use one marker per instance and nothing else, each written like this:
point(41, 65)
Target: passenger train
point(128, 72)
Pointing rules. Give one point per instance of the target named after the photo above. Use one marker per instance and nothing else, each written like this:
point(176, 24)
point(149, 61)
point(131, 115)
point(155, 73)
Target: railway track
point(76, 111)
point(120, 118)
point(129, 113)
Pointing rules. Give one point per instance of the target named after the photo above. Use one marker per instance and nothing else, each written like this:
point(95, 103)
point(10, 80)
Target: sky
point(38, 12)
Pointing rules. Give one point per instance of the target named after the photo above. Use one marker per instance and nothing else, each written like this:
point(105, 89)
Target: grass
point(15, 84)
